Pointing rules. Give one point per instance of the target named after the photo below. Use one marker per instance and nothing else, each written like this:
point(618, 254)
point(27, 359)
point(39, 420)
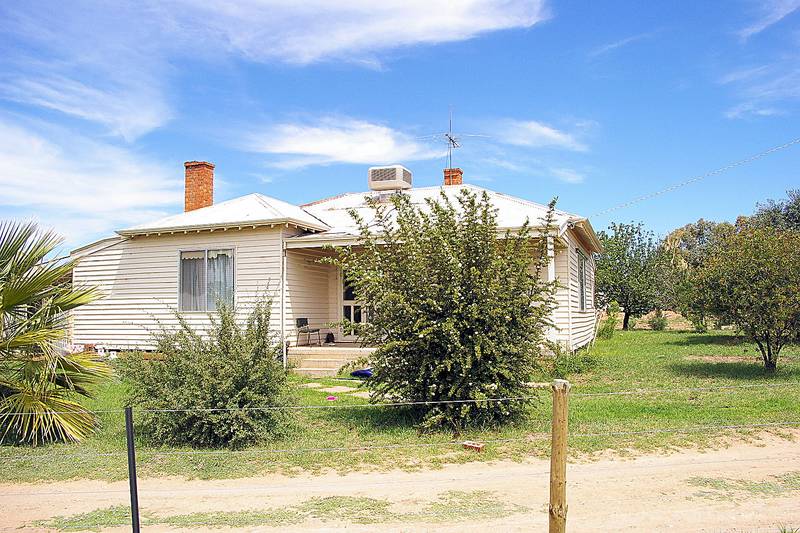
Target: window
point(206, 277)
point(582, 280)
point(352, 310)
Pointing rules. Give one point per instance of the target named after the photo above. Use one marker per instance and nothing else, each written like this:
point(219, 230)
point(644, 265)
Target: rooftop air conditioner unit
point(391, 178)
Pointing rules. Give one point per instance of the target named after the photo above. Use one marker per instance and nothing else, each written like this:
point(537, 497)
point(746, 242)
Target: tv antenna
point(453, 140)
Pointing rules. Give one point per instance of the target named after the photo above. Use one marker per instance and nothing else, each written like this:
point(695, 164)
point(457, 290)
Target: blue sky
point(595, 102)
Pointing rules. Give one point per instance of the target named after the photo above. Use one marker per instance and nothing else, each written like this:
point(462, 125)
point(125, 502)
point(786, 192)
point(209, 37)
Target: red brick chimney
point(453, 176)
point(199, 185)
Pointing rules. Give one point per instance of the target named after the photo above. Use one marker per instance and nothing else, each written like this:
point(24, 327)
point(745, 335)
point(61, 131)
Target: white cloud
point(337, 140)
point(606, 48)
point(764, 90)
point(111, 62)
point(80, 187)
point(304, 32)
point(567, 175)
point(533, 134)
point(751, 109)
point(124, 111)
point(770, 12)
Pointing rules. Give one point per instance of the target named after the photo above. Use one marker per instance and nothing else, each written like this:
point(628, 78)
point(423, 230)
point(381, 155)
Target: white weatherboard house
point(254, 246)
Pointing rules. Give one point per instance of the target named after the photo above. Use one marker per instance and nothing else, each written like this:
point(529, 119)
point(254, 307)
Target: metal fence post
point(558, 457)
point(132, 469)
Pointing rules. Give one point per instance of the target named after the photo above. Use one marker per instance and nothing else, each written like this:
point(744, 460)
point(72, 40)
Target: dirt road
point(752, 486)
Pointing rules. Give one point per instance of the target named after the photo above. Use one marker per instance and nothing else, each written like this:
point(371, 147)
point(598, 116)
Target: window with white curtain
point(206, 277)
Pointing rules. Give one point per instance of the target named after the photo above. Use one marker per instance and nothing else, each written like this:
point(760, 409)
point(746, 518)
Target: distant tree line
point(745, 274)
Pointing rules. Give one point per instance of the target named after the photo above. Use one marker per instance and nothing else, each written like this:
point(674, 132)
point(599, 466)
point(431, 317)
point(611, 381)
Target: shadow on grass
point(402, 419)
point(717, 339)
point(376, 417)
point(729, 370)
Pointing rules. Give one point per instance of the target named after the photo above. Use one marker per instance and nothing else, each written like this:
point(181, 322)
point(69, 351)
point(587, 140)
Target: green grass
point(450, 507)
point(745, 489)
point(630, 360)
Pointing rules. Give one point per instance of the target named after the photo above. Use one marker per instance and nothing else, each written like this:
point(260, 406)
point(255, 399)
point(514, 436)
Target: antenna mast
point(452, 140)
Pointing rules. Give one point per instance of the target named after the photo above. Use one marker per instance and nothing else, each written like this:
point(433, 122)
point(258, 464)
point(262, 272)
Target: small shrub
point(609, 325)
point(234, 367)
point(657, 322)
point(632, 322)
point(567, 362)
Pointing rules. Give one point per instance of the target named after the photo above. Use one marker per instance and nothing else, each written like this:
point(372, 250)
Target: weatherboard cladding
point(138, 271)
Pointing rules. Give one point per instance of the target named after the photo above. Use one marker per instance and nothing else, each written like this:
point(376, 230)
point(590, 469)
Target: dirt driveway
point(752, 486)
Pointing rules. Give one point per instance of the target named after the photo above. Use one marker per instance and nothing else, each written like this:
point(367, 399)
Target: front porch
point(315, 293)
point(325, 360)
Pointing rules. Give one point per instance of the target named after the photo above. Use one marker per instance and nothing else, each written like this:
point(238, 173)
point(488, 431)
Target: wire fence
point(148, 454)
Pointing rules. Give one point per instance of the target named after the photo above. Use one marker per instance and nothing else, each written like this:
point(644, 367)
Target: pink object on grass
point(331, 398)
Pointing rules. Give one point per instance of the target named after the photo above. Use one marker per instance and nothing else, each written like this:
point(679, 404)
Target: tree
point(628, 270)
point(781, 214)
point(684, 251)
point(39, 382)
point(225, 388)
point(752, 279)
point(458, 310)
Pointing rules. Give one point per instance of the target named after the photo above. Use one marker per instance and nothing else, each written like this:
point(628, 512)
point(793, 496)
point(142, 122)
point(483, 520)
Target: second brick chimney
point(199, 185)
point(453, 176)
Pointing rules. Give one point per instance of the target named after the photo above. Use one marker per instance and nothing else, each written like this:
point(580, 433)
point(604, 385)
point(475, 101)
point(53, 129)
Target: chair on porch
point(303, 327)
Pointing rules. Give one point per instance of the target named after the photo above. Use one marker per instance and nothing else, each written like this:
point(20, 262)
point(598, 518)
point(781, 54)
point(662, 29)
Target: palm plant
point(39, 381)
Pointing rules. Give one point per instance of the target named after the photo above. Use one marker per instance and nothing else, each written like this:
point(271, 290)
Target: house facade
point(255, 247)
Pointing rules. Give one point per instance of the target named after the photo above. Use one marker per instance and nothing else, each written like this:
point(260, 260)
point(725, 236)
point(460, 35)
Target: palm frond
point(28, 418)
point(39, 383)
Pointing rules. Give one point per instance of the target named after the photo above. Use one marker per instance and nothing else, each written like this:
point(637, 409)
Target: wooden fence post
point(558, 457)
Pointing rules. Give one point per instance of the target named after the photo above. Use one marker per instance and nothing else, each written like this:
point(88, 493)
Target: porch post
point(283, 304)
point(551, 259)
point(551, 276)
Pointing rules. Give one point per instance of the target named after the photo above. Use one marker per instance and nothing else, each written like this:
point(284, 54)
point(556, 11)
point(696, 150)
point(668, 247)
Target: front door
point(352, 310)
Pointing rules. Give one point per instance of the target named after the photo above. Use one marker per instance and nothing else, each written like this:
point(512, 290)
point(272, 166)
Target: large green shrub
point(457, 308)
point(213, 382)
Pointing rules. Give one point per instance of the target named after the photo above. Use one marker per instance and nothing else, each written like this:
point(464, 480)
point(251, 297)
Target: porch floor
point(325, 360)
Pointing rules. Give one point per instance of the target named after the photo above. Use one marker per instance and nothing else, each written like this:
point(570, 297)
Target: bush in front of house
point(456, 312)
point(566, 362)
point(200, 391)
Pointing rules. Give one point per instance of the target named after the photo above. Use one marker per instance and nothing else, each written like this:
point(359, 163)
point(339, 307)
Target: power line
point(698, 178)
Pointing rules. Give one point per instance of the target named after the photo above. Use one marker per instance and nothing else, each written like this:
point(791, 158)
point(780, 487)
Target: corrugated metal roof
point(252, 209)
point(511, 211)
point(330, 218)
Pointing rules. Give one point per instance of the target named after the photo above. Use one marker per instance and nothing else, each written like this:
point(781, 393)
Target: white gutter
point(224, 226)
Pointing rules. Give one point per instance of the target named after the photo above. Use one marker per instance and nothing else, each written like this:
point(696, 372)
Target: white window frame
point(582, 260)
point(350, 303)
point(205, 255)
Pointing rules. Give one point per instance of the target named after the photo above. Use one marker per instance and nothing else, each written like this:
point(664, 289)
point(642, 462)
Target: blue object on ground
point(363, 373)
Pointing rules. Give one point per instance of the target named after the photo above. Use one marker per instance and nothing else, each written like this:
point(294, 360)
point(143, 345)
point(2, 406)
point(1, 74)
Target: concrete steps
point(324, 361)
